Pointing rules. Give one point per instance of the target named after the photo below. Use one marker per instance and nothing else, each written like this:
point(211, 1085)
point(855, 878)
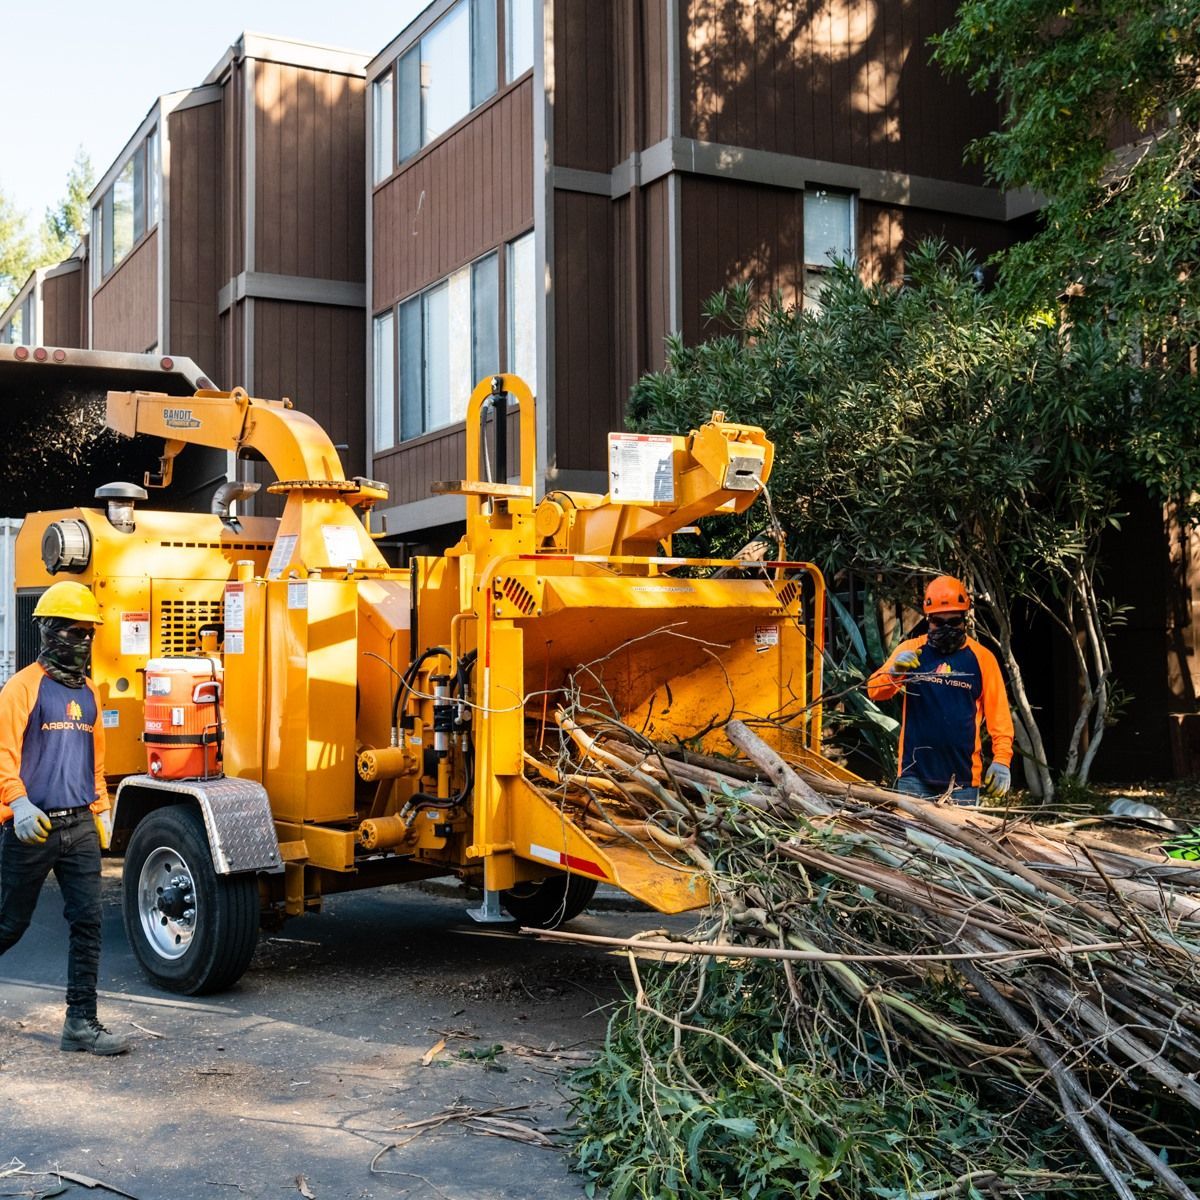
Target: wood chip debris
point(493, 1122)
point(15, 1167)
point(433, 1052)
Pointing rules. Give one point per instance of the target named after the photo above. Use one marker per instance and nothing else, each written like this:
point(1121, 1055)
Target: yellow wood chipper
point(371, 724)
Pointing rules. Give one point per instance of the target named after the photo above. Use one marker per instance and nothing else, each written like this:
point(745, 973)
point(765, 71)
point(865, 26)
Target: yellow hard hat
point(72, 601)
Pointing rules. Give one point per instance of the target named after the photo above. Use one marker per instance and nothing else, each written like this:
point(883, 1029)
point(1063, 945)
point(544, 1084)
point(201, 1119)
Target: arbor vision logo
point(74, 712)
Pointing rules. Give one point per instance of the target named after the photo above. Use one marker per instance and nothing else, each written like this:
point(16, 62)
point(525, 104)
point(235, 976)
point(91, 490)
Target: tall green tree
point(67, 221)
point(23, 249)
point(1101, 116)
point(925, 428)
point(18, 248)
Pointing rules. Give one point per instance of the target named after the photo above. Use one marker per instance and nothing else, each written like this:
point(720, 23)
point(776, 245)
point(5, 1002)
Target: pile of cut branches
point(890, 997)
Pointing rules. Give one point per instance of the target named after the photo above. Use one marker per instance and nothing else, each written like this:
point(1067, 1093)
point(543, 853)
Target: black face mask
point(65, 650)
point(945, 639)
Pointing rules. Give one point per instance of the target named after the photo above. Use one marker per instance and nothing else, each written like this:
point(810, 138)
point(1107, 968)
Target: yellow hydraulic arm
point(721, 467)
point(320, 500)
point(294, 445)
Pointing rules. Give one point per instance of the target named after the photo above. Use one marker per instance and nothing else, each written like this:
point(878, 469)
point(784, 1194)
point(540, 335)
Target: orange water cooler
point(184, 728)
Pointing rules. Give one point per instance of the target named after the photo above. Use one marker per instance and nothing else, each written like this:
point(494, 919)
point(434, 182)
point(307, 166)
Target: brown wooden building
point(557, 186)
point(49, 310)
point(230, 230)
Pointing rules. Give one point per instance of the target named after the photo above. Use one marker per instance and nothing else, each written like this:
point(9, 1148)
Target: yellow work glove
point(104, 827)
point(905, 661)
point(997, 781)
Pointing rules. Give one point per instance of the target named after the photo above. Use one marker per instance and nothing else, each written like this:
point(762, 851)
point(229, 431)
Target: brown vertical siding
point(309, 168)
point(586, 404)
point(314, 354)
point(125, 309)
point(196, 199)
point(233, 357)
point(887, 231)
point(627, 353)
point(637, 31)
point(655, 212)
point(464, 195)
point(641, 303)
point(847, 81)
point(738, 232)
point(234, 173)
point(410, 470)
point(586, 101)
point(62, 309)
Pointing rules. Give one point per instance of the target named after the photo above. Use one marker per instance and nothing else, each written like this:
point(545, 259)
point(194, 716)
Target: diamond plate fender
point(237, 817)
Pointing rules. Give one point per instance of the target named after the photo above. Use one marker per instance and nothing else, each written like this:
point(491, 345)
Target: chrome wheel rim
point(167, 902)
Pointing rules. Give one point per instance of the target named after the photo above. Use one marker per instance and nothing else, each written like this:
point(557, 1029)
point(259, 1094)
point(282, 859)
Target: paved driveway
point(295, 1081)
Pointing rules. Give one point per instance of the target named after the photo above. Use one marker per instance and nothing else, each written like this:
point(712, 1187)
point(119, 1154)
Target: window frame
point(485, 78)
point(145, 207)
point(510, 11)
point(383, 110)
point(511, 308)
point(814, 273)
point(410, 325)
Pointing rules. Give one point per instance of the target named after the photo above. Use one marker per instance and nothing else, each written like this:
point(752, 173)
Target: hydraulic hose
point(406, 679)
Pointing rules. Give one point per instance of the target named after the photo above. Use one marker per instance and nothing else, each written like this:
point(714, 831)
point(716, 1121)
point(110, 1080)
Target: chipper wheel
point(192, 930)
point(549, 903)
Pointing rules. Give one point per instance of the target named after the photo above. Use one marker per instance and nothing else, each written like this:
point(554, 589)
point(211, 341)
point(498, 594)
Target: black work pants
point(72, 852)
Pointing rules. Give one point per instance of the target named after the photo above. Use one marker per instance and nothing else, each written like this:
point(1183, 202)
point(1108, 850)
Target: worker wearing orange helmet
point(951, 686)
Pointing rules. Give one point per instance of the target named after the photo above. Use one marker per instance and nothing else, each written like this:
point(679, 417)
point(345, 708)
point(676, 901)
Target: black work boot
point(86, 1033)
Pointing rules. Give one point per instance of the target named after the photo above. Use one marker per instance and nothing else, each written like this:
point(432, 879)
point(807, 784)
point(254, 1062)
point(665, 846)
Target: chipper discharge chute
point(383, 724)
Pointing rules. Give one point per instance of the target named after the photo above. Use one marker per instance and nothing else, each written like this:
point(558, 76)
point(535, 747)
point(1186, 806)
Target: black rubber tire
point(227, 908)
point(549, 902)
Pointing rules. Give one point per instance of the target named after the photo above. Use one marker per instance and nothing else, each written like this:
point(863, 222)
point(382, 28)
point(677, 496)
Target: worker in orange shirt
point(951, 685)
point(53, 800)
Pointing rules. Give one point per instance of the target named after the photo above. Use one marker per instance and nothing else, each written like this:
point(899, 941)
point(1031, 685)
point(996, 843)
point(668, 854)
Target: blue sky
point(86, 74)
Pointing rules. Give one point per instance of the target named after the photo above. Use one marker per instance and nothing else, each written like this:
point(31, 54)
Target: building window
point(383, 127)
point(153, 201)
point(128, 210)
point(123, 232)
point(385, 381)
point(433, 89)
point(20, 330)
point(485, 318)
point(522, 310)
point(519, 36)
point(447, 338)
point(828, 235)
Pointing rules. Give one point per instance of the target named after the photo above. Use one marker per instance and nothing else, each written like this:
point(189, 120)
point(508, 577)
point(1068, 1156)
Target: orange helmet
point(946, 594)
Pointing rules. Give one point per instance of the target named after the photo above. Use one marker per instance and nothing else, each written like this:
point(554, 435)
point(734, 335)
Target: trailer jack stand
point(490, 912)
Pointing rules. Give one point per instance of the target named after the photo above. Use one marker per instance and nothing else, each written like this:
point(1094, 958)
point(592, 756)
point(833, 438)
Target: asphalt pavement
point(308, 1078)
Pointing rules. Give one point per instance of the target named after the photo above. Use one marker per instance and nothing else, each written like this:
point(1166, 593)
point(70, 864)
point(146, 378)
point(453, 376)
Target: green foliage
point(822, 1116)
point(17, 249)
point(926, 427)
point(893, 414)
point(1119, 233)
point(854, 722)
point(67, 222)
point(22, 250)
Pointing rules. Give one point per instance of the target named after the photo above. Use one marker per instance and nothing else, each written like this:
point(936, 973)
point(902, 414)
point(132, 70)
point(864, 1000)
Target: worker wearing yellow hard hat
point(951, 687)
point(53, 799)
